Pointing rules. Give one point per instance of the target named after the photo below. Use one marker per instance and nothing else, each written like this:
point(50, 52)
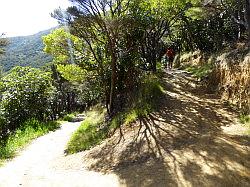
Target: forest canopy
point(118, 40)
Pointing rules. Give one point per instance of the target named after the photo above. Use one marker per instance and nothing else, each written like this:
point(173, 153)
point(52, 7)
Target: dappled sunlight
point(182, 144)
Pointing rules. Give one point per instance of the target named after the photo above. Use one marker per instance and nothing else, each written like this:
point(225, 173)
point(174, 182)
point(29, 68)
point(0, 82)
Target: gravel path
point(35, 165)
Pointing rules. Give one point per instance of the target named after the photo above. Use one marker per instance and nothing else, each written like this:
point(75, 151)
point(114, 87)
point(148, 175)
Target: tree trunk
point(113, 75)
point(247, 17)
point(154, 69)
point(113, 83)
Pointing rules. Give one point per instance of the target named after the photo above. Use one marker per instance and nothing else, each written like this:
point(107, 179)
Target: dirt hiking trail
point(193, 140)
point(34, 167)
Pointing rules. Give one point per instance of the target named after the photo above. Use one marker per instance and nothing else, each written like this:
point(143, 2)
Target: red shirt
point(170, 53)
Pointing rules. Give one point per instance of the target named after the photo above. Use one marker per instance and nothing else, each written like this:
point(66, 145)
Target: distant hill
point(25, 51)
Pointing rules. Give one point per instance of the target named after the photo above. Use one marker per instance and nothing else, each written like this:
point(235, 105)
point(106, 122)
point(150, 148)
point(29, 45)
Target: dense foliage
point(24, 51)
point(117, 40)
point(26, 93)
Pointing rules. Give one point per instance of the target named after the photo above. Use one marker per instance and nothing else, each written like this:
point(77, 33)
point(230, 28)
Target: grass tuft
point(68, 117)
point(245, 119)
point(90, 132)
point(200, 71)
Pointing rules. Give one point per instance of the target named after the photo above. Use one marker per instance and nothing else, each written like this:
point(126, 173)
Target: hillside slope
point(227, 72)
point(25, 51)
point(186, 143)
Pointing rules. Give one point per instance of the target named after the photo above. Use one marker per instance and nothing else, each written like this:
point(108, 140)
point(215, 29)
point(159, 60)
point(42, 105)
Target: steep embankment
point(233, 74)
point(230, 75)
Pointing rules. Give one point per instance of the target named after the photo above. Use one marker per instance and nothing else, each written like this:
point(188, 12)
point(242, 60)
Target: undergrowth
point(29, 130)
point(245, 119)
point(200, 71)
point(94, 129)
point(69, 117)
point(145, 101)
point(90, 132)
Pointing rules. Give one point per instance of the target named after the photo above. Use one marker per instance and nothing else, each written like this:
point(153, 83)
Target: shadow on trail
point(180, 145)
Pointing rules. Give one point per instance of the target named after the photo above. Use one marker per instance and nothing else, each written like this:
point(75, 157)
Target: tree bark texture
point(247, 17)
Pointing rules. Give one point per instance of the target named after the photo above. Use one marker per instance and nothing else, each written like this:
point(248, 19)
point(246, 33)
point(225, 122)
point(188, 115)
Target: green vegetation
point(18, 139)
point(117, 58)
point(90, 132)
point(26, 92)
point(245, 119)
point(25, 51)
point(69, 117)
point(94, 129)
point(143, 102)
point(200, 71)
point(59, 42)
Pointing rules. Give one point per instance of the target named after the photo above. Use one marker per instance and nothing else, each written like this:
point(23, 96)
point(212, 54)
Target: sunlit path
point(35, 165)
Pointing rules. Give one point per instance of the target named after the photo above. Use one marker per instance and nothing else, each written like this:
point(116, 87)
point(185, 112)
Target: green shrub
point(131, 117)
point(26, 93)
point(68, 117)
point(244, 118)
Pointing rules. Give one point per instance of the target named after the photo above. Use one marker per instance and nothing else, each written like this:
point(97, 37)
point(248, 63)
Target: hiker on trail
point(170, 55)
